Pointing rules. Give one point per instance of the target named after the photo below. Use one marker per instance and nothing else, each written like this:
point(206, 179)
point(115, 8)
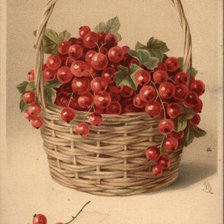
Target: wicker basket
point(111, 159)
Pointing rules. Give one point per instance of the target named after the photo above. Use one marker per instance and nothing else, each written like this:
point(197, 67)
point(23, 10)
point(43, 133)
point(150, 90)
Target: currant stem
point(70, 99)
point(74, 217)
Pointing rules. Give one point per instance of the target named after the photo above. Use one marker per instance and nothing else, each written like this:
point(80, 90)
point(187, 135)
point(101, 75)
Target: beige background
point(26, 187)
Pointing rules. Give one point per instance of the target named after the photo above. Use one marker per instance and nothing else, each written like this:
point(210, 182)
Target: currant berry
point(101, 36)
point(170, 144)
point(82, 129)
point(85, 101)
point(95, 119)
point(138, 102)
point(83, 30)
point(63, 47)
point(147, 94)
point(102, 100)
point(29, 97)
point(27, 115)
point(197, 86)
point(191, 100)
point(166, 126)
point(110, 40)
point(31, 76)
point(195, 120)
point(142, 77)
point(89, 55)
point(160, 76)
point(98, 84)
point(152, 153)
point(164, 161)
point(130, 108)
point(116, 89)
point(90, 40)
point(62, 99)
point(172, 64)
point(99, 61)
point(181, 92)
point(104, 50)
point(68, 114)
point(115, 54)
point(114, 108)
point(174, 110)
point(64, 74)
point(178, 135)
point(166, 90)
point(153, 109)
point(161, 66)
point(198, 107)
point(79, 69)
point(49, 74)
point(180, 78)
point(75, 52)
point(39, 219)
point(126, 91)
point(37, 122)
point(157, 170)
point(53, 62)
point(109, 75)
point(80, 85)
point(34, 110)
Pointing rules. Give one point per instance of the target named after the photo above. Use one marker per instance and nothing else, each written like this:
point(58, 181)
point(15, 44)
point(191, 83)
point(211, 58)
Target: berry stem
point(70, 99)
point(161, 144)
point(74, 217)
point(171, 80)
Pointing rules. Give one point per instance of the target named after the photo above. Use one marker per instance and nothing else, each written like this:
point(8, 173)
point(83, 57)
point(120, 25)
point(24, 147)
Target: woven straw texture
point(111, 159)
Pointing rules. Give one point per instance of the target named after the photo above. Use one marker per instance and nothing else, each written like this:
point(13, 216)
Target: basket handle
point(39, 59)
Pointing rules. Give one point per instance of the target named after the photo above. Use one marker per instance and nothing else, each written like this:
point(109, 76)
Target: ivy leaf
point(52, 35)
point(31, 86)
point(179, 124)
point(53, 84)
point(193, 70)
point(198, 132)
point(189, 136)
point(100, 27)
point(49, 95)
point(187, 113)
point(22, 87)
point(139, 46)
point(64, 36)
point(23, 106)
point(144, 58)
point(121, 74)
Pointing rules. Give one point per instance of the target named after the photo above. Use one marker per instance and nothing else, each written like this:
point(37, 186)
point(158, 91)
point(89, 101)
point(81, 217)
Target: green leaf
point(193, 70)
point(187, 113)
point(52, 35)
point(133, 69)
point(22, 87)
point(179, 124)
point(31, 86)
point(113, 25)
point(198, 132)
point(49, 95)
point(119, 38)
point(121, 74)
point(64, 36)
point(189, 135)
point(53, 84)
point(100, 27)
point(23, 106)
point(139, 46)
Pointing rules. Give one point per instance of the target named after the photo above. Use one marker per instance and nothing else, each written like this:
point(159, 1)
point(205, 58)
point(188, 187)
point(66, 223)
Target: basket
point(110, 161)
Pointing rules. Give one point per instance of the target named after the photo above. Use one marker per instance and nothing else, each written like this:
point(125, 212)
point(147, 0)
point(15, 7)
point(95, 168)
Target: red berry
point(166, 126)
point(164, 161)
point(74, 103)
point(178, 135)
point(166, 90)
point(157, 170)
point(64, 74)
point(142, 77)
point(152, 153)
point(198, 107)
point(53, 62)
point(172, 64)
point(115, 54)
point(29, 97)
point(82, 129)
point(62, 99)
point(133, 61)
point(116, 89)
point(85, 101)
point(31, 76)
point(101, 36)
point(191, 100)
point(37, 122)
point(35, 110)
point(75, 52)
point(89, 55)
point(68, 114)
point(109, 75)
point(95, 118)
point(114, 108)
point(99, 61)
point(195, 120)
point(153, 109)
point(161, 66)
point(138, 102)
point(79, 69)
point(102, 100)
point(197, 86)
point(130, 108)
point(170, 144)
point(103, 50)
point(83, 30)
point(80, 85)
point(98, 84)
point(180, 78)
point(90, 40)
point(49, 74)
point(126, 91)
point(63, 47)
point(110, 40)
point(147, 94)
point(39, 219)
point(174, 110)
point(27, 115)
point(181, 92)
point(160, 76)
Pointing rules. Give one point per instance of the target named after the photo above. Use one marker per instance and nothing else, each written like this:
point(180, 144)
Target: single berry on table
point(39, 219)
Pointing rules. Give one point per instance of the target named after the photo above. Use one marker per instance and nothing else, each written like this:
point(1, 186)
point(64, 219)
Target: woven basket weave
point(111, 159)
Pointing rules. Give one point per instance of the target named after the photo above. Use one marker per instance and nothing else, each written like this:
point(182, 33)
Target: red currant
point(39, 219)
point(63, 47)
point(166, 126)
point(68, 114)
point(114, 108)
point(164, 161)
point(115, 54)
point(103, 50)
point(98, 84)
point(126, 91)
point(53, 62)
point(147, 94)
point(191, 100)
point(152, 153)
point(180, 78)
point(195, 120)
point(174, 110)
point(109, 75)
point(181, 92)
point(161, 66)
point(142, 77)
point(62, 99)
point(29, 97)
point(90, 40)
point(85, 101)
point(27, 115)
point(102, 100)
point(160, 76)
point(49, 74)
point(82, 129)
point(79, 69)
point(95, 118)
point(101, 36)
point(34, 110)
point(99, 61)
point(170, 144)
point(172, 64)
point(110, 40)
point(64, 74)
point(166, 90)
point(157, 170)
point(80, 85)
point(37, 122)
point(89, 55)
point(197, 86)
point(31, 76)
point(198, 107)
point(153, 109)
point(178, 135)
point(138, 102)
point(83, 30)
point(75, 52)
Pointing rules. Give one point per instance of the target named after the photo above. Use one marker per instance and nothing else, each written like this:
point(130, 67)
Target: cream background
point(26, 187)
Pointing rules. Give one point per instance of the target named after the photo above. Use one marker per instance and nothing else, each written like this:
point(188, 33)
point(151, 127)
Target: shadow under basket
point(111, 160)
